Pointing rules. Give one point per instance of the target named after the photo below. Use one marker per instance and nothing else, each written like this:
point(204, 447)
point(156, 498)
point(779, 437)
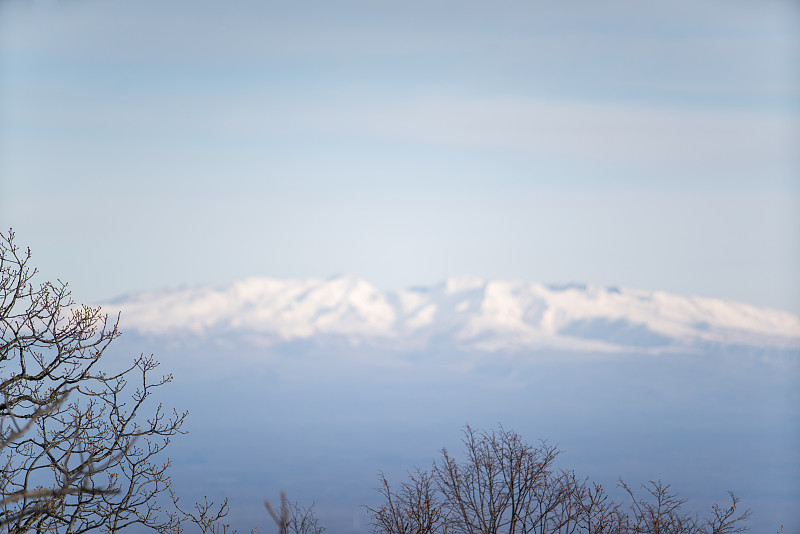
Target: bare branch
point(77, 454)
point(505, 485)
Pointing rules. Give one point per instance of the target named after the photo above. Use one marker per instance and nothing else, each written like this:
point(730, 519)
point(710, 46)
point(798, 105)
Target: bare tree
point(505, 485)
point(726, 520)
point(660, 512)
point(598, 514)
point(77, 454)
point(303, 520)
point(207, 517)
point(294, 518)
point(415, 508)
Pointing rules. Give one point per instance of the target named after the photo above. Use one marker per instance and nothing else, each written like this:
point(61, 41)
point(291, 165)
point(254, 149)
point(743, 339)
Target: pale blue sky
point(650, 144)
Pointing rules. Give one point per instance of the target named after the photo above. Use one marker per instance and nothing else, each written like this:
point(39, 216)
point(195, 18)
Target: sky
point(646, 144)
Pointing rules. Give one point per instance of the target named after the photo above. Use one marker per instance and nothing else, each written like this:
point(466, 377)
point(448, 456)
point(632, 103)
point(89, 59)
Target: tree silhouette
point(77, 453)
point(506, 485)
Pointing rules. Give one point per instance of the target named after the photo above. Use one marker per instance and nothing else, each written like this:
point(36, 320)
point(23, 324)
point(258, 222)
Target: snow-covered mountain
point(461, 313)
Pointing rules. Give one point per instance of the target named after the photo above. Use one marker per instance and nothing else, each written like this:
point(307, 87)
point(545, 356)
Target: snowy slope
point(462, 313)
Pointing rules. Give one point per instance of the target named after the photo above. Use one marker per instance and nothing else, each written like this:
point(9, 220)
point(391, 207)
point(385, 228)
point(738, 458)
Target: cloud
point(707, 140)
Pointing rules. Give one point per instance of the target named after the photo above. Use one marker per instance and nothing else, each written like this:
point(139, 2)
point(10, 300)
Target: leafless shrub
point(505, 485)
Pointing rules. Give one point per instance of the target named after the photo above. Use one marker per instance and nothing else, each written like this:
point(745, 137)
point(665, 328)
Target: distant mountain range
point(461, 313)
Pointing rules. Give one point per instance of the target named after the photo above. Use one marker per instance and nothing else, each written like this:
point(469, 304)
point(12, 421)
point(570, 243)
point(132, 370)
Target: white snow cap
point(464, 312)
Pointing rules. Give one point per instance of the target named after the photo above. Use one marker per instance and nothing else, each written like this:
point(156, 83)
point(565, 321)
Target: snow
point(468, 313)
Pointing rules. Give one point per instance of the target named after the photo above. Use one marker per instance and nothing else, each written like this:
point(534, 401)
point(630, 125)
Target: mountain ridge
point(466, 313)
